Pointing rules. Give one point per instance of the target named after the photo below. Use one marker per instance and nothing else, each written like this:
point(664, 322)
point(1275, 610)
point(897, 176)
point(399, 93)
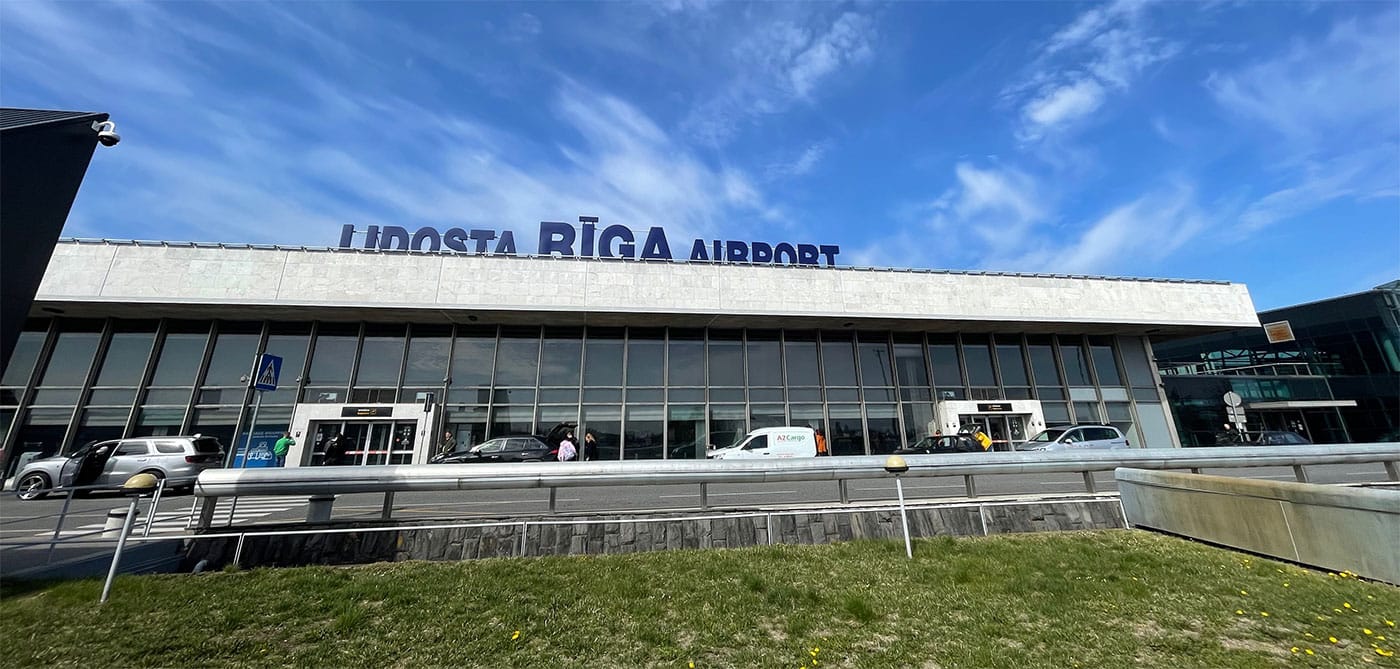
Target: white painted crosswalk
point(173, 518)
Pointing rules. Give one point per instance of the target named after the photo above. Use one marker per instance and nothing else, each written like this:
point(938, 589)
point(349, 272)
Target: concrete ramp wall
point(1329, 527)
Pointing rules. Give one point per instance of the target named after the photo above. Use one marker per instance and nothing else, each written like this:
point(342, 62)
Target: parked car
point(178, 460)
point(1075, 437)
point(1277, 438)
point(940, 444)
point(523, 448)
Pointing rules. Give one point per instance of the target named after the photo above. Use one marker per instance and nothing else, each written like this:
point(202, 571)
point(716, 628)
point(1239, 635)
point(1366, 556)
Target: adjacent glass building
point(1329, 370)
point(658, 360)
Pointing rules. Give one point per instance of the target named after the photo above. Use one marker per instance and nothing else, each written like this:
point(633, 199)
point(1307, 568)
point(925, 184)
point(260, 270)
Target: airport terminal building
point(658, 357)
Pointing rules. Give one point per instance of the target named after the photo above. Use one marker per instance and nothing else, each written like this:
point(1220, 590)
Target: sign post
point(265, 372)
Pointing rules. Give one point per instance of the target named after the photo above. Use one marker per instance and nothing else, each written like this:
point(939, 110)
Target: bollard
point(113, 527)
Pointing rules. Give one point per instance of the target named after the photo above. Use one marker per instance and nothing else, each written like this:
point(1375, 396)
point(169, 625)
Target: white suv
point(1076, 437)
point(179, 460)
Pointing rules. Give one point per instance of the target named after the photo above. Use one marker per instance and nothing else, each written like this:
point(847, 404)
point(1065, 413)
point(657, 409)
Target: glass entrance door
point(1005, 430)
point(365, 442)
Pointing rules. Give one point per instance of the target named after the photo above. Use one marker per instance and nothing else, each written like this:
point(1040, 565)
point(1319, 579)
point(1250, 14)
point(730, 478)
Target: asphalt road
point(27, 521)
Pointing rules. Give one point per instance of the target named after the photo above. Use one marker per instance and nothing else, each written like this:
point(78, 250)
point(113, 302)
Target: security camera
point(107, 133)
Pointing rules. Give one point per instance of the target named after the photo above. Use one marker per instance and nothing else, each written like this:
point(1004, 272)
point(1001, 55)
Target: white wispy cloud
point(778, 62)
point(341, 136)
point(1103, 51)
point(1329, 106)
point(803, 163)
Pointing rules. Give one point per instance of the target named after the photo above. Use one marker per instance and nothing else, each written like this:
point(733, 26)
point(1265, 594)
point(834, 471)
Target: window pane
point(875, 365)
point(126, 358)
point(979, 361)
point(809, 415)
point(561, 361)
point(947, 371)
point(727, 424)
point(333, 355)
point(512, 420)
point(838, 360)
point(472, 361)
point(645, 431)
point(645, 366)
point(158, 421)
point(918, 416)
point(427, 360)
point(847, 435)
point(1043, 365)
point(381, 357)
point(100, 425)
point(232, 358)
point(180, 357)
point(726, 363)
point(767, 415)
point(686, 361)
point(467, 425)
point(765, 361)
point(288, 342)
point(1135, 360)
point(909, 364)
point(605, 423)
point(72, 356)
point(1013, 365)
point(1076, 363)
point(801, 358)
point(685, 432)
point(602, 363)
point(882, 428)
point(1105, 366)
point(1155, 433)
point(22, 358)
point(517, 359)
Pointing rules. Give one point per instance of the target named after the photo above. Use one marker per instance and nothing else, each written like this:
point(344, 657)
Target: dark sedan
point(938, 445)
point(500, 449)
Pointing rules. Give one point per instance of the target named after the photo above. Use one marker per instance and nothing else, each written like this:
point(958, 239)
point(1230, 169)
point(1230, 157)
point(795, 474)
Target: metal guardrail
point(323, 483)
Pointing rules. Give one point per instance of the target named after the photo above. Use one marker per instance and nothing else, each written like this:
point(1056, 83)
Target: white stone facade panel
point(290, 277)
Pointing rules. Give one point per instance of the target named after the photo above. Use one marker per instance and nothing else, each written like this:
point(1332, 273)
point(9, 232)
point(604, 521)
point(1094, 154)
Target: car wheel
point(32, 486)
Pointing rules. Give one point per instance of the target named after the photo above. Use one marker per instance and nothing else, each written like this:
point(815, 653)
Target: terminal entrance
point(354, 442)
point(1005, 430)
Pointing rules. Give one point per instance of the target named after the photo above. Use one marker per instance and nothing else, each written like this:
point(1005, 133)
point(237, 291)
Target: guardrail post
point(206, 512)
point(704, 496)
point(1195, 470)
point(238, 551)
point(845, 494)
point(971, 485)
point(524, 529)
point(388, 509)
point(1391, 471)
point(1089, 482)
point(59, 527)
point(121, 543)
point(151, 512)
point(1299, 474)
point(553, 492)
point(318, 508)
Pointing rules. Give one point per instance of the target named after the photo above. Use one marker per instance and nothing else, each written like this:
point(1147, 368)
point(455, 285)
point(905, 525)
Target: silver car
point(178, 460)
point(1075, 437)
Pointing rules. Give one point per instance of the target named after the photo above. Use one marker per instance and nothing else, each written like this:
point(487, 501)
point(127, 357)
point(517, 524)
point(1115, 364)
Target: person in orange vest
point(821, 443)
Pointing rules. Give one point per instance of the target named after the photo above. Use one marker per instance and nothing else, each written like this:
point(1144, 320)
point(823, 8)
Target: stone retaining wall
point(596, 535)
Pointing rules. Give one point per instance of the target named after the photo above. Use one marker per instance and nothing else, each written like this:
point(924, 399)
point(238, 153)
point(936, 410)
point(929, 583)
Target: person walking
point(280, 448)
point(590, 446)
point(567, 450)
point(821, 443)
point(448, 443)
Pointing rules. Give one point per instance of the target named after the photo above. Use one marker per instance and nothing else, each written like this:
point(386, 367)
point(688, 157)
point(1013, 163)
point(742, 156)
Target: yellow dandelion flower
point(1346, 605)
point(1264, 613)
point(1380, 637)
point(1308, 634)
point(1308, 651)
point(1239, 612)
point(1294, 649)
point(813, 653)
point(1333, 574)
point(1390, 623)
point(1244, 592)
point(1285, 585)
point(515, 636)
point(1367, 632)
point(1384, 653)
point(692, 665)
point(1332, 639)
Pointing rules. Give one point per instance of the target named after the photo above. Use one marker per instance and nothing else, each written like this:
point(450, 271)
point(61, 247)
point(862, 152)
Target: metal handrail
point(324, 483)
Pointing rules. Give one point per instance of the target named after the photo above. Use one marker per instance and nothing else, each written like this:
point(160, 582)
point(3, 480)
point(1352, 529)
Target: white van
point(772, 442)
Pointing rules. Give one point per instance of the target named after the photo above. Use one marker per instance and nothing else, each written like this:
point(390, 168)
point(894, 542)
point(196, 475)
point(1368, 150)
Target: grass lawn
point(1087, 599)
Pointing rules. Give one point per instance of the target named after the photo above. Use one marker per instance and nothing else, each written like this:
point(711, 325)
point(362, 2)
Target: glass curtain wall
point(644, 393)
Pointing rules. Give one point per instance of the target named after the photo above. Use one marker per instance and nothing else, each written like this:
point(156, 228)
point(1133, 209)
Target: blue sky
point(1249, 142)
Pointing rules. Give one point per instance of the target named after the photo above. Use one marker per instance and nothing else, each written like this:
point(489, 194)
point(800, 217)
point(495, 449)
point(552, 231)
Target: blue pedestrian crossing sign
point(269, 367)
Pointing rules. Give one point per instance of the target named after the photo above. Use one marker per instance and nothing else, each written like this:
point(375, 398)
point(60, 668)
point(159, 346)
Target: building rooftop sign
point(613, 241)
